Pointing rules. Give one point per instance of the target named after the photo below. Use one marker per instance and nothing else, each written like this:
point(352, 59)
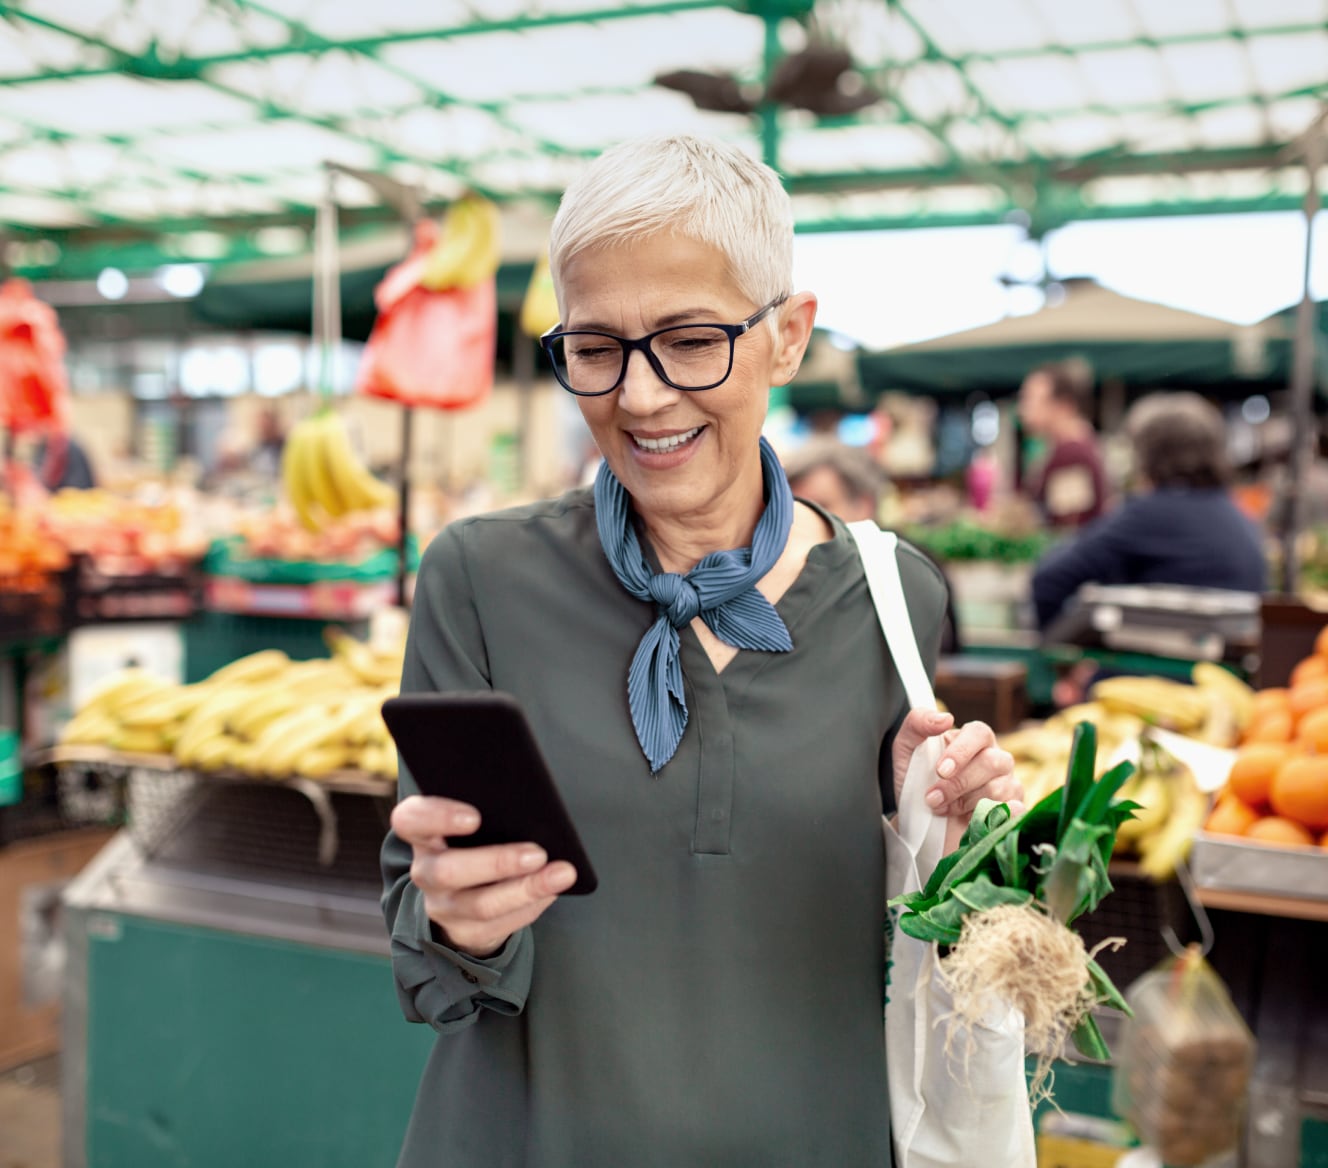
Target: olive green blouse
point(717, 1002)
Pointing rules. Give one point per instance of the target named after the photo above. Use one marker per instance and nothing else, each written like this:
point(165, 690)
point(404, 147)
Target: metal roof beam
point(269, 109)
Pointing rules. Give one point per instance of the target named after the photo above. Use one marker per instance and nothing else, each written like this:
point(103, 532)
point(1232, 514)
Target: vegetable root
point(1019, 956)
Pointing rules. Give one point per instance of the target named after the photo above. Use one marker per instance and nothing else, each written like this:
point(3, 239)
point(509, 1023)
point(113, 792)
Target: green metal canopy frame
point(138, 132)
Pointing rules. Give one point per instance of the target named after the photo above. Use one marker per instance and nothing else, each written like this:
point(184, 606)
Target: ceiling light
point(112, 284)
point(182, 280)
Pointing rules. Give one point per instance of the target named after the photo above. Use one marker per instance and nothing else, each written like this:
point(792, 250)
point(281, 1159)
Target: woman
point(719, 740)
point(1180, 527)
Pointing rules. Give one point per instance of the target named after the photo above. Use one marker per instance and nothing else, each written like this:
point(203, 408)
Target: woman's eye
point(592, 352)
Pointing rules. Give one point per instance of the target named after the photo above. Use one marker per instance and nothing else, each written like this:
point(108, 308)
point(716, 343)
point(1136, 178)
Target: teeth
point(669, 443)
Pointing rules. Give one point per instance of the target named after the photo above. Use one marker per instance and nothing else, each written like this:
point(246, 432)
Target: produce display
point(29, 552)
point(263, 715)
point(323, 477)
point(963, 539)
point(1277, 791)
point(348, 539)
point(1171, 806)
point(123, 536)
point(1004, 901)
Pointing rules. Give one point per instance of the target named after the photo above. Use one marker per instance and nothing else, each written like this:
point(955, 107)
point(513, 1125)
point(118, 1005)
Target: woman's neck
point(681, 541)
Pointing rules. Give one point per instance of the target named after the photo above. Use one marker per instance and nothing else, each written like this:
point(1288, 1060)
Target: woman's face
point(634, 289)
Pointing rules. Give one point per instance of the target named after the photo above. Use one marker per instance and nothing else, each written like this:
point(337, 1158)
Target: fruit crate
point(103, 596)
point(36, 606)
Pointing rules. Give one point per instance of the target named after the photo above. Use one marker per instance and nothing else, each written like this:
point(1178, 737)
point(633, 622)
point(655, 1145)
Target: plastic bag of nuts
point(1183, 1062)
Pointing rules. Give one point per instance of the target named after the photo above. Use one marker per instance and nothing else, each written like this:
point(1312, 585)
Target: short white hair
point(682, 185)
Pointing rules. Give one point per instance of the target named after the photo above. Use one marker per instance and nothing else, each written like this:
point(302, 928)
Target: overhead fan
point(820, 78)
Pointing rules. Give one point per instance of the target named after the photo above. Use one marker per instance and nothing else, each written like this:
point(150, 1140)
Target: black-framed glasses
point(684, 356)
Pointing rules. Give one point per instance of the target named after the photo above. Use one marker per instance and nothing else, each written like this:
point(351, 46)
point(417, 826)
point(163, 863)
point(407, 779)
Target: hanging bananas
point(468, 250)
point(323, 477)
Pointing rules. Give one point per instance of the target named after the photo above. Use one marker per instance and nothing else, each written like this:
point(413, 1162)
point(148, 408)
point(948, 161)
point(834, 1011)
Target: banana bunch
point(1171, 810)
point(322, 475)
point(265, 715)
point(468, 250)
point(1042, 750)
point(1171, 704)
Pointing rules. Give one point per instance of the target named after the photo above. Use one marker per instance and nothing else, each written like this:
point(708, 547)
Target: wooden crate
point(984, 690)
point(32, 872)
point(1289, 627)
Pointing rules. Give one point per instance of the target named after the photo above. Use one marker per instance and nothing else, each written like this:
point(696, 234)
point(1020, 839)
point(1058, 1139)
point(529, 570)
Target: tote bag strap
point(922, 832)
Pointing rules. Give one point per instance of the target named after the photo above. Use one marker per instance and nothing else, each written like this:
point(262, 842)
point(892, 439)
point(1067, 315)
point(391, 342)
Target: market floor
point(30, 1115)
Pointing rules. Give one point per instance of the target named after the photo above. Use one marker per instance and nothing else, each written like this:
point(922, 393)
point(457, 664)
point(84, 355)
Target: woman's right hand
point(476, 897)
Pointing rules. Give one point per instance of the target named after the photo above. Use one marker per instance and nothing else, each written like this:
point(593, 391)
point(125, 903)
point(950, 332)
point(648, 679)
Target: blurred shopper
point(1181, 527)
point(1055, 404)
point(702, 664)
point(846, 481)
point(63, 463)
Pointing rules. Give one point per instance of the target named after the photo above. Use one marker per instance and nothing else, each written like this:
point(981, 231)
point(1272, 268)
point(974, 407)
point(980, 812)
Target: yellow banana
point(137, 741)
point(295, 478)
point(122, 688)
point(215, 753)
point(468, 251)
point(301, 736)
point(539, 309)
point(1227, 687)
point(265, 707)
point(318, 467)
point(209, 720)
point(1160, 852)
point(1166, 703)
point(322, 761)
point(1153, 793)
point(260, 666)
point(89, 727)
point(158, 710)
point(355, 486)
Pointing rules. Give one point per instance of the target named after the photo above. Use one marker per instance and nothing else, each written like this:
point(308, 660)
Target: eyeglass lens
point(692, 357)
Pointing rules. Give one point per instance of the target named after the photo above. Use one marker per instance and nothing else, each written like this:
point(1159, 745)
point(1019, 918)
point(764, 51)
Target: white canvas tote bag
point(945, 1111)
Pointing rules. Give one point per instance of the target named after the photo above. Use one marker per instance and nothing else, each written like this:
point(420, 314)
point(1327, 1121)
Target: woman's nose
point(642, 392)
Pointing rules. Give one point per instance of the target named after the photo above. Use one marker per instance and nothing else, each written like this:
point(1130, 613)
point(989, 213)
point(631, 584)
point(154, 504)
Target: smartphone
point(478, 747)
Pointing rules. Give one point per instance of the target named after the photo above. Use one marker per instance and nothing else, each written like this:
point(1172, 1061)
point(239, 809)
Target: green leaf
point(1106, 990)
point(941, 923)
point(1088, 1040)
point(1077, 874)
point(1093, 807)
point(982, 894)
point(1079, 777)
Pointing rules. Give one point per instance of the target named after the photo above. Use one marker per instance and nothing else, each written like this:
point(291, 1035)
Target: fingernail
point(934, 799)
point(947, 768)
point(561, 878)
point(532, 858)
point(466, 820)
point(936, 718)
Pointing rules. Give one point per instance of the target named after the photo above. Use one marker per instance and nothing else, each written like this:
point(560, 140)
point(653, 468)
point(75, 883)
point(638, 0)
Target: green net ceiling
point(136, 132)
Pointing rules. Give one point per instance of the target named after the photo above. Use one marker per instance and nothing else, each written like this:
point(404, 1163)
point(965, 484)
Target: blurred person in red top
point(1070, 486)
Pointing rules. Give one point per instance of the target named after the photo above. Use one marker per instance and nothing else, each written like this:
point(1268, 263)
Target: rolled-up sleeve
point(444, 652)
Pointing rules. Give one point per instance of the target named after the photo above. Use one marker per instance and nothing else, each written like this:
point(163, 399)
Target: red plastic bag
point(34, 392)
point(434, 348)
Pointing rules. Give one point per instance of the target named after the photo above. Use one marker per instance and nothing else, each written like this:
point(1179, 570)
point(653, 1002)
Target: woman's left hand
point(971, 767)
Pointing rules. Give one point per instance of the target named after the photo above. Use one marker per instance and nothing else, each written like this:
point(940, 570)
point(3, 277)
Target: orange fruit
point(1252, 773)
point(1230, 817)
point(1308, 670)
point(1312, 731)
point(1273, 829)
point(1300, 791)
point(1273, 698)
point(1321, 642)
point(1272, 726)
point(1307, 696)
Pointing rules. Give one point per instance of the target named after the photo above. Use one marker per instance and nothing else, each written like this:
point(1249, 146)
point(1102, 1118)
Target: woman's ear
point(796, 317)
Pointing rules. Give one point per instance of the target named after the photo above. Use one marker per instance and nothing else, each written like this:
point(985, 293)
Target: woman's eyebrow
point(680, 317)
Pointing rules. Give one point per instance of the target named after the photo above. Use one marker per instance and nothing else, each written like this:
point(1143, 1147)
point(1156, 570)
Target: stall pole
point(523, 366)
point(1302, 371)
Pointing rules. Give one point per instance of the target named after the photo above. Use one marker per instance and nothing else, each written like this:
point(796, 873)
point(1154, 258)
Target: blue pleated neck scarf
point(721, 590)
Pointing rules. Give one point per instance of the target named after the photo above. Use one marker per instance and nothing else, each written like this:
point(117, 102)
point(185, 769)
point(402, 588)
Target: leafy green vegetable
point(1088, 1040)
point(1054, 857)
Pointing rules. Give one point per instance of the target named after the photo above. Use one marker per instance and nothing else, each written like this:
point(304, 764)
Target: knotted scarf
point(721, 590)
